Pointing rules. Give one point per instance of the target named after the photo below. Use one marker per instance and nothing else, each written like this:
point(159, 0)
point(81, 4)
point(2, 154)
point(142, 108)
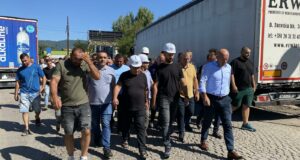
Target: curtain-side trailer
point(271, 28)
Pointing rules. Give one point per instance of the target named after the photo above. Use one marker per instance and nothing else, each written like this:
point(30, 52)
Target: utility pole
point(68, 36)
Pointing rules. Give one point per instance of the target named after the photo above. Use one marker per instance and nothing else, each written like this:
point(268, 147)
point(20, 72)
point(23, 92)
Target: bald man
point(214, 89)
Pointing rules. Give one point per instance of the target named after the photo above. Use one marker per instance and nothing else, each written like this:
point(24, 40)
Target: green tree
point(81, 44)
point(42, 49)
point(129, 25)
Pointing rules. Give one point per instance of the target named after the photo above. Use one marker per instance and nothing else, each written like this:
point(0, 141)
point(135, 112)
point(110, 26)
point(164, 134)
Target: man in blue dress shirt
point(214, 89)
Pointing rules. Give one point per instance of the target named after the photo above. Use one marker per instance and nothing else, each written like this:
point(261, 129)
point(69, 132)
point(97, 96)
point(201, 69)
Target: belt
point(216, 97)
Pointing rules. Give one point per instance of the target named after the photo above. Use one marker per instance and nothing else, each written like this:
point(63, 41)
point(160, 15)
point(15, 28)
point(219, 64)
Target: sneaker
point(248, 127)
point(26, 132)
point(83, 158)
point(167, 152)
point(107, 153)
point(44, 108)
point(144, 155)
point(38, 121)
point(125, 144)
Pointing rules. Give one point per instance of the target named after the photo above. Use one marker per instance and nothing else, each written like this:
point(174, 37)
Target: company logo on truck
point(286, 4)
point(2, 44)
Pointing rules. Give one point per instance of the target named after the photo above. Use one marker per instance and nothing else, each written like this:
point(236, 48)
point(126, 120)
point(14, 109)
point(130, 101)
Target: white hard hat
point(145, 50)
point(135, 61)
point(169, 48)
point(144, 58)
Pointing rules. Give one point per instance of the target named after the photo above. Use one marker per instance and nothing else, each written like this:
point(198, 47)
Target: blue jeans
point(222, 106)
point(189, 110)
point(28, 100)
point(47, 93)
point(98, 114)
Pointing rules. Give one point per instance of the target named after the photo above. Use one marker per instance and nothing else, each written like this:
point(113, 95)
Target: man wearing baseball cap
point(167, 82)
point(145, 50)
point(144, 67)
point(135, 101)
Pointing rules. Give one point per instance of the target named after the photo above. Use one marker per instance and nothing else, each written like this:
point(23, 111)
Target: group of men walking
point(87, 93)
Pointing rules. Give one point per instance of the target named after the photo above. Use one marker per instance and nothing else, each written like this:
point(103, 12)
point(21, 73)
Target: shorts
point(244, 97)
point(76, 118)
point(28, 100)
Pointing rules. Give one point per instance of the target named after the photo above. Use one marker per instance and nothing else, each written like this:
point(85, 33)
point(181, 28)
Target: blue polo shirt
point(29, 78)
point(119, 70)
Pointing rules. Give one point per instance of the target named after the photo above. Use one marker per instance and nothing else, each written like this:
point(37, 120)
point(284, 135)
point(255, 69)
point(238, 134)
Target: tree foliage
point(129, 25)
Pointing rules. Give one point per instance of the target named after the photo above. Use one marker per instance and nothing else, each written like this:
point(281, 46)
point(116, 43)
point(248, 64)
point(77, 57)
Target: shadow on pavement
point(261, 115)
point(44, 128)
point(11, 126)
point(9, 106)
point(26, 152)
point(51, 142)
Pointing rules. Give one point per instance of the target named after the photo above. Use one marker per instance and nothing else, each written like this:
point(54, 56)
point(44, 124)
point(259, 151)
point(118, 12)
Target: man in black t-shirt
point(243, 85)
point(48, 71)
point(135, 102)
point(167, 83)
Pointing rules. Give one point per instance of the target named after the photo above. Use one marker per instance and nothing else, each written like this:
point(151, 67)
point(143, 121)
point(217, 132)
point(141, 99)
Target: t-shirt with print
point(29, 78)
point(243, 71)
point(72, 85)
point(168, 77)
point(133, 87)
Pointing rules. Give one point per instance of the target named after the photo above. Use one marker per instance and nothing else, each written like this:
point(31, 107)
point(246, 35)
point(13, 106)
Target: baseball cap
point(169, 48)
point(144, 58)
point(145, 50)
point(135, 61)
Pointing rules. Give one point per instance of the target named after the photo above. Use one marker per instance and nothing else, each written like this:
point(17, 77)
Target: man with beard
point(167, 84)
point(100, 96)
point(71, 76)
point(243, 85)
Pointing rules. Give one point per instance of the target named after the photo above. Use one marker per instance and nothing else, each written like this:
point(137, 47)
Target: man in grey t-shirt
point(100, 96)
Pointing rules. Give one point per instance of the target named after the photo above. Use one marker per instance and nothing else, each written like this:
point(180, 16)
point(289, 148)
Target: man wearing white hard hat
point(167, 83)
point(135, 101)
point(144, 67)
point(145, 50)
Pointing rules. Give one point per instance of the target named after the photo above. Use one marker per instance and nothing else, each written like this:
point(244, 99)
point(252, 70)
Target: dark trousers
point(189, 110)
point(222, 106)
point(139, 125)
point(177, 113)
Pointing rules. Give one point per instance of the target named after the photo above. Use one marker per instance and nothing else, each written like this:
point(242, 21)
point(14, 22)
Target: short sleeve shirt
point(100, 91)
point(168, 77)
point(48, 73)
point(242, 71)
point(29, 78)
point(72, 85)
point(133, 87)
point(189, 74)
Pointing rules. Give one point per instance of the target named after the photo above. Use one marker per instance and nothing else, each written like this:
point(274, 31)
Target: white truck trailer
point(271, 28)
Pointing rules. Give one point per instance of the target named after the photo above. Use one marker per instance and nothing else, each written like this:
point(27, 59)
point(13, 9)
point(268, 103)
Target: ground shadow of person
point(11, 126)
point(45, 128)
point(26, 152)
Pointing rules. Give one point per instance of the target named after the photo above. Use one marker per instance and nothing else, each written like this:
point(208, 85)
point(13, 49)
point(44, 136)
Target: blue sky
point(83, 14)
